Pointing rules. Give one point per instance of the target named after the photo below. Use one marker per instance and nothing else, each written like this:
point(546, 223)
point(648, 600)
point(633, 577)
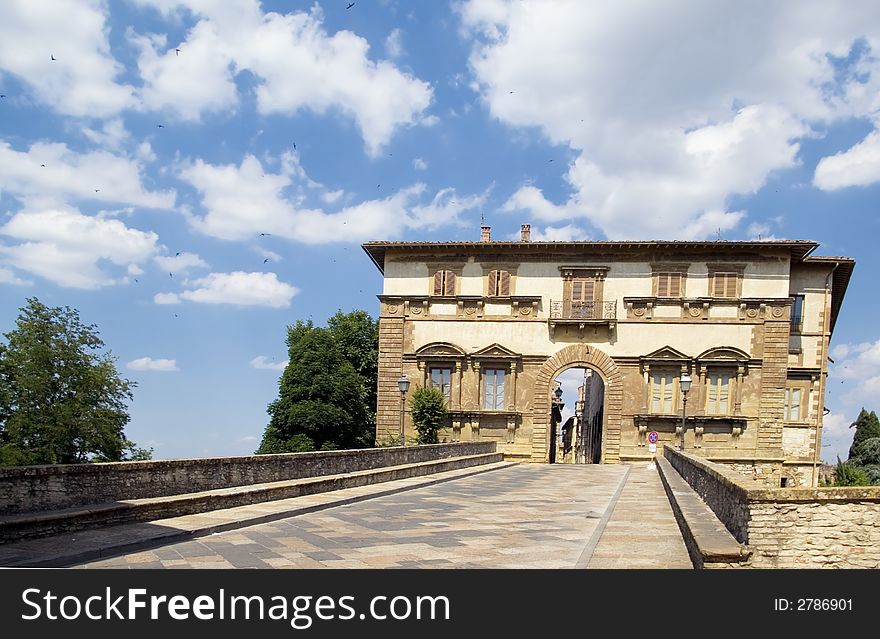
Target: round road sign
point(653, 437)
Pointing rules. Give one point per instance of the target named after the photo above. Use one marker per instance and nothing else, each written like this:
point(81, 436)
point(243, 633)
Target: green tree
point(867, 427)
point(847, 474)
point(428, 408)
point(61, 399)
point(322, 398)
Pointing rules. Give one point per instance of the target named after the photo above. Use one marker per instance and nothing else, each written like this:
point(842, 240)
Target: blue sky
point(141, 167)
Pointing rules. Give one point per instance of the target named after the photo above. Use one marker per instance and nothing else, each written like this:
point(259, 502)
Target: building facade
point(492, 324)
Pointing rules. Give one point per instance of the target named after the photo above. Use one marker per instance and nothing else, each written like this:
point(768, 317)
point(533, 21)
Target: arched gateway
point(569, 357)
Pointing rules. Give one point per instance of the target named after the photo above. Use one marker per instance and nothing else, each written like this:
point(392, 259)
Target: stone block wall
point(40, 488)
point(789, 527)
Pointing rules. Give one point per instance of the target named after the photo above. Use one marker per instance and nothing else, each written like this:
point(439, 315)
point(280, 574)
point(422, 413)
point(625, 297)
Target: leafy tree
point(867, 427)
point(847, 474)
point(61, 399)
point(323, 398)
point(428, 408)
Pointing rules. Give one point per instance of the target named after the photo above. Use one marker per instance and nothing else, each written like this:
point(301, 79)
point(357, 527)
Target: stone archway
point(568, 357)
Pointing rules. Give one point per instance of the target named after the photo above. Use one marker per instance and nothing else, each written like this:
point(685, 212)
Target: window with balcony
point(797, 313)
point(444, 283)
point(441, 377)
point(493, 388)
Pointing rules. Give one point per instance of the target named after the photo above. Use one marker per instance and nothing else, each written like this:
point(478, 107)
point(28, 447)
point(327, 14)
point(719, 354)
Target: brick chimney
point(526, 233)
point(486, 230)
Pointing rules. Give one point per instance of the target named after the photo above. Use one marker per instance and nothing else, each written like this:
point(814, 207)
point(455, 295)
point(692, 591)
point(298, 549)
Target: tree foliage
point(867, 427)
point(863, 466)
point(61, 399)
point(428, 408)
point(326, 396)
point(848, 474)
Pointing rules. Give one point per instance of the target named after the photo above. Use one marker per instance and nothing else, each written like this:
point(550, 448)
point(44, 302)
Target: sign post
point(653, 437)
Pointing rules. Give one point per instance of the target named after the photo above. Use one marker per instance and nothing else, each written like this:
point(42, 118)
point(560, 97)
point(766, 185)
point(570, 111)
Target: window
point(499, 283)
point(582, 290)
point(444, 283)
point(724, 283)
point(662, 393)
point(797, 313)
point(441, 377)
point(794, 404)
point(718, 393)
point(669, 284)
point(493, 388)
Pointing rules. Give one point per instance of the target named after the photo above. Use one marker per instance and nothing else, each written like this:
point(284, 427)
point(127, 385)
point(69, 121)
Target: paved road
point(524, 516)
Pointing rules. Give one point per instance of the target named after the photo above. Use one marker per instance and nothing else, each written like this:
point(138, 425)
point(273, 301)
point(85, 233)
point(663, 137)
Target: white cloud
point(262, 362)
point(857, 166)
point(241, 202)
point(150, 364)
point(853, 383)
point(331, 197)
point(667, 134)
point(394, 44)
point(297, 63)
point(111, 135)
point(8, 277)
point(419, 164)
point(64, 246)
point(237, 288)
point(82, 80)
point(52, 169)
point(180, 263)
point(568, 233)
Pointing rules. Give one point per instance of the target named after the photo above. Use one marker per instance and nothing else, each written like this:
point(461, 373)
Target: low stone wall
point(40, 488)
point(789, 527)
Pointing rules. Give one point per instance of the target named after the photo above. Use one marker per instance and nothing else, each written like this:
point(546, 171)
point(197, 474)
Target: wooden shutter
point(674, 288)
point(724, 285)
point(449, 284)
point(663, 285)
point(504, 279)
point(438, 283)
point(493, 283)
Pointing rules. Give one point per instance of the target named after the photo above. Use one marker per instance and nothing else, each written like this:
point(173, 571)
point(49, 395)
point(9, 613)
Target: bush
point(847, 474)
point(428, 408)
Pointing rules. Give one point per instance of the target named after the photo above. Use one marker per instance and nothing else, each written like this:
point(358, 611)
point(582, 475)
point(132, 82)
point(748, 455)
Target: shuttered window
point(724, 284)
point(718, 393)
point(582, 290)
point(444, 283)
point(499, 283)
point(493, 388)
point(662, 393)
point(669, 284)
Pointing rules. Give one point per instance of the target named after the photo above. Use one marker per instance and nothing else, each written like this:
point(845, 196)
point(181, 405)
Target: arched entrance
point(578, 355)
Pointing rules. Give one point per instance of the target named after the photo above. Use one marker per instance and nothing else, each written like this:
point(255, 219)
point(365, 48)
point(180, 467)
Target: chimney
point(526, 233)
point(485, 230)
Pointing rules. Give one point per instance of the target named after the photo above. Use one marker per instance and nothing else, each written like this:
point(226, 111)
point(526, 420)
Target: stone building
point(493, 323)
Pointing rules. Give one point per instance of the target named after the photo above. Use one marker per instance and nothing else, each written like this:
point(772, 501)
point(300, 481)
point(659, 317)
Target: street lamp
point(403, 385)
point(685, 383)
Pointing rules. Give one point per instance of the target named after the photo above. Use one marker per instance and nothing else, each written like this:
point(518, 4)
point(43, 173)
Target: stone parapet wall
point(789, 527)
point(40, 488)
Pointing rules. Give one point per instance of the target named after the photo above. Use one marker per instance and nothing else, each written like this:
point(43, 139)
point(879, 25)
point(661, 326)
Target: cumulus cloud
point(420, 164)
point(243, 201)
point(857, 166)
point(51, 169)
point(8, 277)
point(236, 288)
point(64, 246)
point(180, 263)
point(667, 134)
point(297, 63)
point(150, 364)
point(262, 362)
point(394, 44)
point(82, 79)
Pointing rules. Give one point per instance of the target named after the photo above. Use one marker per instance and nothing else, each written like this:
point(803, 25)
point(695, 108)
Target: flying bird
point(52, 56)
point(261, 234)
point(171, 275)
point(294, 146)
point(177, 52)
point(2, 95)
point(266, 260)
point(43, 165)
point(350, 5)
point(176, 254)
point(160, 126)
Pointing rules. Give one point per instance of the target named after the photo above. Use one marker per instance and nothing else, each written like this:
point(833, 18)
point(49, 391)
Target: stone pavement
point(523, 516)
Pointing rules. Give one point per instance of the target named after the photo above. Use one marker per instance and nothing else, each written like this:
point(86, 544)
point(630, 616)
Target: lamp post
point(685, 383)
point(403, 385)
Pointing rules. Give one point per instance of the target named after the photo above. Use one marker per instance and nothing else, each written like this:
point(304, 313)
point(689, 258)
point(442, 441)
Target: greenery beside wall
point(327, 393)
point(428, 408)
point(62, 400)
point(862, 468)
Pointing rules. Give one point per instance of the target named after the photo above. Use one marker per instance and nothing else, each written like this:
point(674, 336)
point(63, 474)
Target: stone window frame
point(805, 387)
point(724, 358)
point(665, 370)
point(443, 355)
point(737, 270)
point(595, 273)
point(457, 272)
point(484, 379)
point(659, 269)
point(718, 370)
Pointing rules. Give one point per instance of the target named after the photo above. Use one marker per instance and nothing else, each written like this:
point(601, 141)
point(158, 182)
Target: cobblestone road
point(524, 516)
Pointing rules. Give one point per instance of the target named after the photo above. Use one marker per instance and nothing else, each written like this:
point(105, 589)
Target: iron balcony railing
point(595, 310)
